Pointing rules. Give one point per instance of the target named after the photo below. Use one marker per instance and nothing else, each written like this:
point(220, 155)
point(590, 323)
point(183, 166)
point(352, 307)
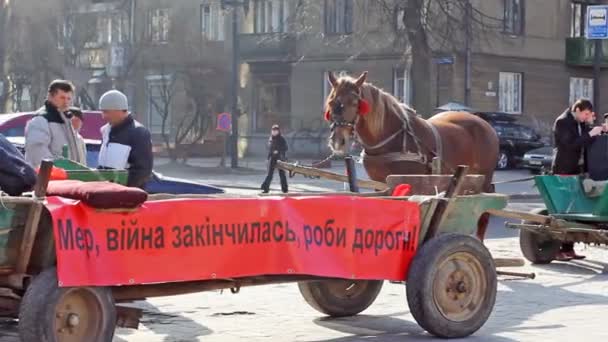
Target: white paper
point(114, 156)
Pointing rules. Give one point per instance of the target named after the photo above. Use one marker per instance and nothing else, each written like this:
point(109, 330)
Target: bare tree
point(430, 26)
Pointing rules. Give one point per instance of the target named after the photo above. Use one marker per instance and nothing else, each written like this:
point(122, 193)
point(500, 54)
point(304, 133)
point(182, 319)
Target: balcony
point(260, 47)
point(112, 57)
point(580, 52)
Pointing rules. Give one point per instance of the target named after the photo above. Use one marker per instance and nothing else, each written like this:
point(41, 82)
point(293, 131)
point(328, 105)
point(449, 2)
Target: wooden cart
point(451, 284)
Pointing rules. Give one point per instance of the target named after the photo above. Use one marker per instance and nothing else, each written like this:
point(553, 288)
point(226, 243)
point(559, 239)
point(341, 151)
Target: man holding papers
point(126, 144)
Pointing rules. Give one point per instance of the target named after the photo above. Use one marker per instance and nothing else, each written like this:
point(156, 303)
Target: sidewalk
point(252, 170)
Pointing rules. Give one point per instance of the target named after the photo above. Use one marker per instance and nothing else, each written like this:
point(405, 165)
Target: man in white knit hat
point(126, 144)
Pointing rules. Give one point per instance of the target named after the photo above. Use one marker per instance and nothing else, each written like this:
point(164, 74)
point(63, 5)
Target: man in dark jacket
point(16, 175)
point(277, 148)
point(125, 143)
point(572, 136)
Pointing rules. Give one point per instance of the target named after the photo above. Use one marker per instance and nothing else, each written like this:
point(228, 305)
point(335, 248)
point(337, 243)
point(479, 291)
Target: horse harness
point(405, 155)
point(406, 129)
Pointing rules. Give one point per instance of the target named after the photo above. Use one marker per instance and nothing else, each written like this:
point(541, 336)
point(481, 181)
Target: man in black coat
point(572, 136)
point(277, 148)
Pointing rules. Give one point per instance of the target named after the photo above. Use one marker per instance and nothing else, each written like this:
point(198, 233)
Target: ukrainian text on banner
point(200, 239)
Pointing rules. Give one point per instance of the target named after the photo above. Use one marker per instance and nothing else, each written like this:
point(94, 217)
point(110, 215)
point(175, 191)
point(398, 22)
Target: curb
point(525, 197)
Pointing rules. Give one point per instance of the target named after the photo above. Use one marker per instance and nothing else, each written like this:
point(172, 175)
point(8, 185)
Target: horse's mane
point(382, 104)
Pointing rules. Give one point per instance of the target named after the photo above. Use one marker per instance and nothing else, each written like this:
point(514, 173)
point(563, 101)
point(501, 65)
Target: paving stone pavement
point(565, 301)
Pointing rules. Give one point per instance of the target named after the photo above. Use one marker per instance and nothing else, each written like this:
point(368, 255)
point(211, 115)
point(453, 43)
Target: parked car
point(515, 139)
point(158, 184)
point(13, 125)
point(539, 160)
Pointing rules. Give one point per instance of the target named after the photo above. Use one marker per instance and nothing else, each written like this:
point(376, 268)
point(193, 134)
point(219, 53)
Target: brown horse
point(396, 140)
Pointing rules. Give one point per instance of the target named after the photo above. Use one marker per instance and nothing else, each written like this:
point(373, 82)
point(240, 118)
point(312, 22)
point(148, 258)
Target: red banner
point(200, 239)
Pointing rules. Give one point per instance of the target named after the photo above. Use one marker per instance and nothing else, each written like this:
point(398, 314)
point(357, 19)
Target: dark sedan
point(515, 139)
point(159, 184)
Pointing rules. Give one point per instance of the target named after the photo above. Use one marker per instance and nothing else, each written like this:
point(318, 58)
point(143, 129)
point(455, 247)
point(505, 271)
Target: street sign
point(597, 22)
point(224, 122)
point(444, 60)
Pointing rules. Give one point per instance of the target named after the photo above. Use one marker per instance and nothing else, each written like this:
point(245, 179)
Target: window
point(109, 28)
point(581, 88)
point(514, 17)
point(159, 97)
point(338, 16)
point(577, 19)
point(327, 85)
point(399, 13)
point(21, 98)
point(402, 85)
point(272, 96)
point(270, 16)
point(158, 25)
point(510, 92)
point(212, 22)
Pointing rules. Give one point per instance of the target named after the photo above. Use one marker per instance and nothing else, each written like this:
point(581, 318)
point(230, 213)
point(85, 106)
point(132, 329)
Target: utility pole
point(597, 62)
point(234, 137)
point(467, 54)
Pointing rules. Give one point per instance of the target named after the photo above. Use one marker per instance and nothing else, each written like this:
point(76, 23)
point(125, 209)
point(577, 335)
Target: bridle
point(336, 115)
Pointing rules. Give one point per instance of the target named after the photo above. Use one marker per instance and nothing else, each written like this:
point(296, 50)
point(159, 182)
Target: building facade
point(173, 60)
point(531, 60)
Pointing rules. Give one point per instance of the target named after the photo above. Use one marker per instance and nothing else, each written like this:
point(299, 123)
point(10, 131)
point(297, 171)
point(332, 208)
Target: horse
point(396, 140)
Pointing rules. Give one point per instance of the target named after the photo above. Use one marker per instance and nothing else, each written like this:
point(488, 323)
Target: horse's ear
point(332, 79)
point(361, 79)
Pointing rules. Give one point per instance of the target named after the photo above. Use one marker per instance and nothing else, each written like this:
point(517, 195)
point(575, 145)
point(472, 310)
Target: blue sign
point(224, 122)
point(597, 22)
point(444, 60)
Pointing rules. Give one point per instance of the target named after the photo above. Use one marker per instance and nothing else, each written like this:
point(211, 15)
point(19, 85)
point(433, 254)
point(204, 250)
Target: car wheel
point(503, 160)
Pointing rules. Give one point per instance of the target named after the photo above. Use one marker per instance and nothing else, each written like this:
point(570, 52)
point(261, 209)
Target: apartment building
point(531, 60)
point(169, 58)
point(173, 59)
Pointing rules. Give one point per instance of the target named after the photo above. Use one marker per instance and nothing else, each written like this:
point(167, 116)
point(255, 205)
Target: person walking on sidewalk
point(277, 149)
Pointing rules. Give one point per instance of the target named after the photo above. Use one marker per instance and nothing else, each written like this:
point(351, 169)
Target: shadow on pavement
point(576, 267)
point(388, 329)
point(158, 320)
point(515, 307)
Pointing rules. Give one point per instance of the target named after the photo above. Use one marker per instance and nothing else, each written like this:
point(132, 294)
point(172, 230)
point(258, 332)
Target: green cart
point(576, 210)
point(78, 171)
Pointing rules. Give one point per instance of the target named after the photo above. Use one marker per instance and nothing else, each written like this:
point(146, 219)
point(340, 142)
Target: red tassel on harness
point(363, 107)
point(327, 116)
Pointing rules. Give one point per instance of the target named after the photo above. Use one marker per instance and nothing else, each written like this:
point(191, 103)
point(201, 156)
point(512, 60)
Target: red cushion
point(402, 190)
point(101, 195)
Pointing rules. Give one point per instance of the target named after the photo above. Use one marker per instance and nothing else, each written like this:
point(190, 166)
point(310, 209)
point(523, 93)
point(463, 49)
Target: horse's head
point(343, 108)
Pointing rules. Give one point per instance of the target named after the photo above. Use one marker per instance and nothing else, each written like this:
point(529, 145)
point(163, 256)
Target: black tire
point(451, 286)
point(504, 160)
point(539, 249)
point(48, 311)
point(340, 298)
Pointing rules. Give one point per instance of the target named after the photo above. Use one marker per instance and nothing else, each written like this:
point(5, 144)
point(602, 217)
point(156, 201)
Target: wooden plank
point(509, 262)
point(433, 184)
point(33, 219)
point(310, 171)
point(444, 206)
point(518, 215)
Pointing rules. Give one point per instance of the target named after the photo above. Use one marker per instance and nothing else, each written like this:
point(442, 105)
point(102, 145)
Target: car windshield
point(514, 131)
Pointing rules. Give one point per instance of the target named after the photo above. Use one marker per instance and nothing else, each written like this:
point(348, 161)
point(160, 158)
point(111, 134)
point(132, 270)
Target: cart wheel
point(538, 248)
point(74, 314)
point(340, 298)
point(451, 286)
